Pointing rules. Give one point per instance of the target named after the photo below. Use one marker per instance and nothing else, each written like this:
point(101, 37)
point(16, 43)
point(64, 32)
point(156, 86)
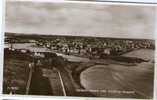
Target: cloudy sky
point(83, 19)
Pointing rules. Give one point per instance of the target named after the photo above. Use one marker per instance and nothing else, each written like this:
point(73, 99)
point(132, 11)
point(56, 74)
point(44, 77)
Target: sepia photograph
point(79, 49)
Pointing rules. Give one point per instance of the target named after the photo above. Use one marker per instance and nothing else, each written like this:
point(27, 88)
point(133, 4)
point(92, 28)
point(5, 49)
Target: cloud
point(81, 19)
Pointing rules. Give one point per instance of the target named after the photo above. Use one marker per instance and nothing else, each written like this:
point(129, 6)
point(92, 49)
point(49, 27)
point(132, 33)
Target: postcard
point(76, 49)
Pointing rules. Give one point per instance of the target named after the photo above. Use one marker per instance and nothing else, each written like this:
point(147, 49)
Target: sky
point(80, 19)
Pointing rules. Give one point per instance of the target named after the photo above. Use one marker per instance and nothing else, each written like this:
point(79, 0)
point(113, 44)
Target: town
point(59, 64)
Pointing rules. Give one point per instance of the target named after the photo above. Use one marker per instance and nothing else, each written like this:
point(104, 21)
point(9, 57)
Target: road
point(60, 82)
point(29, 81)
point(40, 85)
point(55, 80)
